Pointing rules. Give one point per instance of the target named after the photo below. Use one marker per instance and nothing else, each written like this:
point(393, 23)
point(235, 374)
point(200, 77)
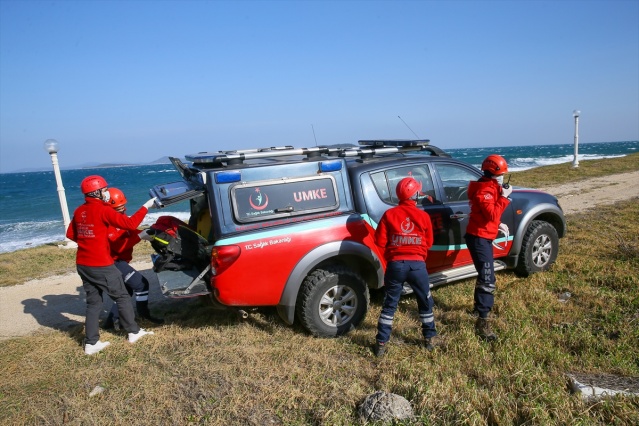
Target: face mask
point(499, 179)
point(106, 196)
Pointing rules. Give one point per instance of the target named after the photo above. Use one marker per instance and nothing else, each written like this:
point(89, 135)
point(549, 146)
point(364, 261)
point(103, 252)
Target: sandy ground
point(57, 303)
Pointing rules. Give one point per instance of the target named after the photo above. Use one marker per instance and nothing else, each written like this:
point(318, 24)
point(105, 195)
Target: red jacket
point(122, 242)
point(405, 233)
point(89, 228)
point(486, 208)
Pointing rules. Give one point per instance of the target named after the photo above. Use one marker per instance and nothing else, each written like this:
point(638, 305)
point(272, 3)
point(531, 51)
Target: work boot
point(379, 349)
point(143, 311)
point(428, 345)
point(483, 330)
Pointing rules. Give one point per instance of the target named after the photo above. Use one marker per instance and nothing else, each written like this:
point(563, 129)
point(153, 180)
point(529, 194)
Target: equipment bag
point(168, 243)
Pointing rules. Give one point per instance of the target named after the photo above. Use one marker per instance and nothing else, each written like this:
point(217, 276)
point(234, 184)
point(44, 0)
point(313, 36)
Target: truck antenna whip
point(408, 127)
point(314, 134)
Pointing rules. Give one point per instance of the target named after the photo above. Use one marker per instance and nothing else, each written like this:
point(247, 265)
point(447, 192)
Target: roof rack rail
point(394, 142)
point(367, 149)
point(237, 157)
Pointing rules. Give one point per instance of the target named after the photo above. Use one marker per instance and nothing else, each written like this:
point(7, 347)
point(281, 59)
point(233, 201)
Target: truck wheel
point(332, 301)
point(539, 248)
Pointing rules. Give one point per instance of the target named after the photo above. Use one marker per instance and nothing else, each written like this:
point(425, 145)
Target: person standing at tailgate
point(405, 233)
point(488, 199)
point(121, 242)
point(94, 263)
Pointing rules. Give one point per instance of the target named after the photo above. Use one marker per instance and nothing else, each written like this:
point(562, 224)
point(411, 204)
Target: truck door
point(452, 181)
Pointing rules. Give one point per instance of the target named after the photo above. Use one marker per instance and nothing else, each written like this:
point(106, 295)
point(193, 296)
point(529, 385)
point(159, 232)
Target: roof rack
point(367, 149)
point(394, 142)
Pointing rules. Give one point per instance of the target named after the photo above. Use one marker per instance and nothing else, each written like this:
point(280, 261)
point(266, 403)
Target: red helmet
point(407, 187)
point(495, 165)
point(92, 183)
point(117, 198)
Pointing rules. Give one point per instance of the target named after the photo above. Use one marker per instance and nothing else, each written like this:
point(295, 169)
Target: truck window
point(257, 201)
point(455, 180)
point(386, 181)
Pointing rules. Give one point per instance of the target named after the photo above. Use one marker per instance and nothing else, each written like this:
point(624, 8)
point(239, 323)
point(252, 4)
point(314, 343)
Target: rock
point(386, 407)
point(596, 386)
point(96, 391)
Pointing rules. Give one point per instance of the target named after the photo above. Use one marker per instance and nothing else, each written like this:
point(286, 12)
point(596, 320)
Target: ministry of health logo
point(257, 200)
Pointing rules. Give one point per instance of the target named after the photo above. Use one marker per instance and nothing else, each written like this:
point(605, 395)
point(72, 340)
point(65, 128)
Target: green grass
point(209, 367)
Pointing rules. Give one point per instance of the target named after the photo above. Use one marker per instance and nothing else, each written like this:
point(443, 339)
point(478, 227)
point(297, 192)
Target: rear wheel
point(539, 248)
point(332, 301)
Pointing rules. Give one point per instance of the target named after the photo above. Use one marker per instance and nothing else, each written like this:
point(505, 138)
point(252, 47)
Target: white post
point(575, 160)
point(51, 146)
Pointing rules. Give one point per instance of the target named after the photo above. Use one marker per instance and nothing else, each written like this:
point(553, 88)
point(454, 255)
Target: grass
point(209, 367)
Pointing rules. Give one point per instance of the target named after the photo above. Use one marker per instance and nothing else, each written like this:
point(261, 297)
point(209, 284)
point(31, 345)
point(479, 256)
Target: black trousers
point(481, 250)
point(98, 280)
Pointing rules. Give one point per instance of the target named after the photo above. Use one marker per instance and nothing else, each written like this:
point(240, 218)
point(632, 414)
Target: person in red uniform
point(488, 199)
point(405, 233)
point(122, 242)
point(94, 263)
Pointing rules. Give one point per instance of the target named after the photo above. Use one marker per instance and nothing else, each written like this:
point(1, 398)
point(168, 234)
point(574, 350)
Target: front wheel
point(539, 248)
point(332, 301)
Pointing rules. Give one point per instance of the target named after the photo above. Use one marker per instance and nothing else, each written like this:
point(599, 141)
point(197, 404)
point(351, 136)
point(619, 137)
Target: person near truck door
point(94, 263)
point(121, 242)
point(488, 199)
point(405, 233)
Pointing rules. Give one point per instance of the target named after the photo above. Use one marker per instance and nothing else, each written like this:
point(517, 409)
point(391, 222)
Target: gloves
point(505, 192)
point(145, 236)
point(150, 203)
point(504, 228)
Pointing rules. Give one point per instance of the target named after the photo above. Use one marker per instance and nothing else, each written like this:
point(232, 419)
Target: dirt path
point(578, 196)
point(57, 302)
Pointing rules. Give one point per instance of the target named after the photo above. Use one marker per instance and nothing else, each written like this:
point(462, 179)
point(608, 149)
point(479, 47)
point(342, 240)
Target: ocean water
point(30, 213)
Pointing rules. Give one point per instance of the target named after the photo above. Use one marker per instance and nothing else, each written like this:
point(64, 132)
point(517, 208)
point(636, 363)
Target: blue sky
point(133, 81)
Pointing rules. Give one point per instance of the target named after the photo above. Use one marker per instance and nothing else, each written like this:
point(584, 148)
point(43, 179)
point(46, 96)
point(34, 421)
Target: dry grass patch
point(565, 173)
point(20, 266)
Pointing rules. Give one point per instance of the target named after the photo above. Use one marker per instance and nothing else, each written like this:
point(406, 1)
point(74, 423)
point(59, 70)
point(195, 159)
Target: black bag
point(178, 246)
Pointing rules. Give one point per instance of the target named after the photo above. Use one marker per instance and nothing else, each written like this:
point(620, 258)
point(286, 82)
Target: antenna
point(408, 127)
point(314, 134)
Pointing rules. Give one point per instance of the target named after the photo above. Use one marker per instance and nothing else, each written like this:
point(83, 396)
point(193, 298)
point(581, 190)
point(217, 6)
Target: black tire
point(539, 248)
point(332, 301)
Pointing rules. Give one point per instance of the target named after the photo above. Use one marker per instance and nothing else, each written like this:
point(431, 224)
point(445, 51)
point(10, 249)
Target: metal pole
point(52, 147)
point(575, 160)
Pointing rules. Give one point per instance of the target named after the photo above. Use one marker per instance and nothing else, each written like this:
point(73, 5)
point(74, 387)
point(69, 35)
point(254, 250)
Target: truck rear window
point(265, 200)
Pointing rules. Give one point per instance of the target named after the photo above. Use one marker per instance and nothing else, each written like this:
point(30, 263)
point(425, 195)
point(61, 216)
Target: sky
point(134, 81)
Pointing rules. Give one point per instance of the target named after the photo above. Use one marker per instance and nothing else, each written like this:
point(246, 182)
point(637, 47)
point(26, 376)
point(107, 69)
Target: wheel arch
point(549, 213)
point(355, 255)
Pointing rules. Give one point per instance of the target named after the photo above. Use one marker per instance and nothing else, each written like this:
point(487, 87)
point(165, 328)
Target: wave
point(22, 235)
point(527, 163)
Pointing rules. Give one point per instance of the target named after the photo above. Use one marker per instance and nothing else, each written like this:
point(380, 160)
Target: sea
point(30, 212)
